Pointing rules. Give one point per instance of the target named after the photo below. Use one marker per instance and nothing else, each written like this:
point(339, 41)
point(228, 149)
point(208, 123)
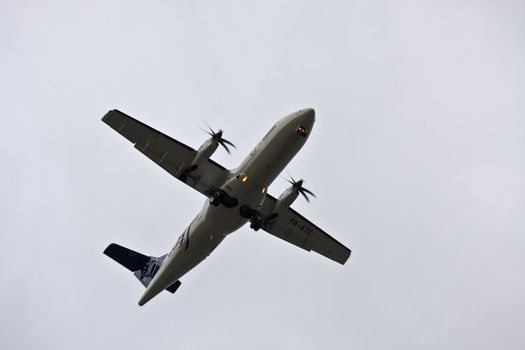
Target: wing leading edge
point(296, 229)
point(166, 152)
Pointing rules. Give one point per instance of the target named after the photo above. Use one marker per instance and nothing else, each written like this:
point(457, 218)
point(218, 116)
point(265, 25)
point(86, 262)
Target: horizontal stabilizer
point(173, 288)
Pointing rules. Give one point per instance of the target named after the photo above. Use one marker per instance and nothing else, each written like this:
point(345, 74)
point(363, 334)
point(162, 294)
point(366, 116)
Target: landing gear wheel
point(254, 216)
point(255, 226)
point(215, 200)
point(255, 222)
point(221, 197)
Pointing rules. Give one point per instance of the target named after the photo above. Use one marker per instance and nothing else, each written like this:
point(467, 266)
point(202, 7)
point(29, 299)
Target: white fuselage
point(247, 183)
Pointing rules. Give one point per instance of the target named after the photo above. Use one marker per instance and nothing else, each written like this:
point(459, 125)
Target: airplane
point(235, 197)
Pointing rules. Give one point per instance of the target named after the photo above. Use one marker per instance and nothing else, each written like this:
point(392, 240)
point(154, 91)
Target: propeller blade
point(305, 196)
point(298, 186)
point(206, 131)
point(292, 181)
point(309, 192)
point(217, 136)
point(221, 142)
point(228, 143)
point(209, 127)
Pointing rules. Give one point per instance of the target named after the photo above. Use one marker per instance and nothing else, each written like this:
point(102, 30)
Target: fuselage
point(248, 184)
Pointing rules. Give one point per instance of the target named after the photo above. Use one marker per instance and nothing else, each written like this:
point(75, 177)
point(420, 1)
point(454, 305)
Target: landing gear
point(253, 215)
point(255, 223)
point(215, 200)
point(221, 197)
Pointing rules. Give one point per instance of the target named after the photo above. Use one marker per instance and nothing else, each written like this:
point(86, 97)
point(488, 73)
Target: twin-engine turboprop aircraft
point(236, 196)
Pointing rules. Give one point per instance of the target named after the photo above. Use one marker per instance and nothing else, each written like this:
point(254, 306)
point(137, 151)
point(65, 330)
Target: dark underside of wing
point(168, 153)
point(296, 229)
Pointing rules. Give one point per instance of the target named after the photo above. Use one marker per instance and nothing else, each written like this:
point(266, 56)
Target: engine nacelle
point(203, 153)
point(285, 200)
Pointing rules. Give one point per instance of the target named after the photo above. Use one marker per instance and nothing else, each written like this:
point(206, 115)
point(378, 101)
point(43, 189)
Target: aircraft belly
point(223, 220)
point(199, 242)
point(200, 246)
point(200, 238)
point(270, 160)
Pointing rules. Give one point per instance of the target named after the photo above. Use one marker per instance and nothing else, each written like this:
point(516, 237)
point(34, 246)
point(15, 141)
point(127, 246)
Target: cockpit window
point(301, 130)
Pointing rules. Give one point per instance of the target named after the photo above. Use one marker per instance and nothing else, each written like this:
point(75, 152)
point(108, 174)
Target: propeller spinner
point(217, 136)
point(298, 186)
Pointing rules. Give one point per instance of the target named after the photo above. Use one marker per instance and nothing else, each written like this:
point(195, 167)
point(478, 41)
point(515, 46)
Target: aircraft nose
point(307, 117)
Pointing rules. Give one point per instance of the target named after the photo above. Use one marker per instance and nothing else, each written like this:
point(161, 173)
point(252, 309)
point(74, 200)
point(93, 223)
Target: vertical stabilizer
point(143, 267)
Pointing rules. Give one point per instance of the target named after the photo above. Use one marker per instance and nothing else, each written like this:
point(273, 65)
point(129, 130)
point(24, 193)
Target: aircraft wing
point(296, 229)
point(170, 154)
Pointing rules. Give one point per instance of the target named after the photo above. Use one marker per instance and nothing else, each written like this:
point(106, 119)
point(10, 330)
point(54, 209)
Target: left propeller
point(298, 186)
point(217, 136)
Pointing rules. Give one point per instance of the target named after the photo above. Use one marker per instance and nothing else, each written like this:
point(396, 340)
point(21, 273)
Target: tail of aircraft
point(143, 267)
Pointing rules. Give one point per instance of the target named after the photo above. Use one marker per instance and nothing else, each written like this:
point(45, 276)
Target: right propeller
point(298, 186)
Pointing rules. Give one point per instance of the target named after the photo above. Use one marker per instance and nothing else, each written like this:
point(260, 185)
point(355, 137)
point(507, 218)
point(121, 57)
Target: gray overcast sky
point(417, 159)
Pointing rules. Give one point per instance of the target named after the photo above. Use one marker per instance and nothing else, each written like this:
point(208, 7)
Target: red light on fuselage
point(301, 130)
